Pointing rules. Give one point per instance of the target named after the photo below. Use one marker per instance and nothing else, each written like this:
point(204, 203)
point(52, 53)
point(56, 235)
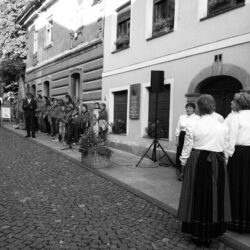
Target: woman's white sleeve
point(178, 128)
point(188, 143)
point(233, 130)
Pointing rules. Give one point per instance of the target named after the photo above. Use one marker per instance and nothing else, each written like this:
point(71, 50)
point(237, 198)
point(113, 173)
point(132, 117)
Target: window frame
point(210, 14)
point(35, 42)
point(122, 39)
point(49, 35)
point(111, 106)
point(162, 23)
point(126, 121)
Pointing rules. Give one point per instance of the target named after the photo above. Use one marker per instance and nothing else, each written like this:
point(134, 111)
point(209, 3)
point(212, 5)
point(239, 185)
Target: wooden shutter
point(163, 108)
point(120, 105)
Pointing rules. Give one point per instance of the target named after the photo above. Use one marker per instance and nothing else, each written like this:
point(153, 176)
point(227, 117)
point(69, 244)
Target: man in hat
point(29, 107)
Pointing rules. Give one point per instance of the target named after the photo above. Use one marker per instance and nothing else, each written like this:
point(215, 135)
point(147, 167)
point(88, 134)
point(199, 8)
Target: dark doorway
point(46, 89)
point(33, 90)
point(222, 88)
point(163, 109)
point(75, 86)
point(120, 109)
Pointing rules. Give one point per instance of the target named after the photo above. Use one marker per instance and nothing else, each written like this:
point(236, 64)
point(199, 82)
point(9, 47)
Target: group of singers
point(213, 161)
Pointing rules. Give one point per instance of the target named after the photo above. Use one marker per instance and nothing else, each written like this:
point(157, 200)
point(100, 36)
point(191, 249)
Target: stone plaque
point(134, 107)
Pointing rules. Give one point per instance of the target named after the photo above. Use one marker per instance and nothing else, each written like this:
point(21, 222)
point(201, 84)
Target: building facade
point(65, 48)
point(202, 46)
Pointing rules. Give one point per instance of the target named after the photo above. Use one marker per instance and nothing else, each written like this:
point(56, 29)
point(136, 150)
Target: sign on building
point(134, 107)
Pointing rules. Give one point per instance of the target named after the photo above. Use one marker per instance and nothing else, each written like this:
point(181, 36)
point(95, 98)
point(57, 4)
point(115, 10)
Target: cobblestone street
point(49, 202)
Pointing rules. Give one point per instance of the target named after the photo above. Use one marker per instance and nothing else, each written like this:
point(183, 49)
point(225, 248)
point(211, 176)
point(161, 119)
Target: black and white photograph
point(124, 124)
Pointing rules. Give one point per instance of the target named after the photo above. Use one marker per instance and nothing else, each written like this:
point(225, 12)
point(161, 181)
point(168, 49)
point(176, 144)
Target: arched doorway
point(33, 90)
point(222, 88)
point(46, 89)
point(75, 86)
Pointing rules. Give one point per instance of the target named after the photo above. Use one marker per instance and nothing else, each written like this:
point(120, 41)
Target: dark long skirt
point(204, 207)
point(179, 150)
point(239, 181)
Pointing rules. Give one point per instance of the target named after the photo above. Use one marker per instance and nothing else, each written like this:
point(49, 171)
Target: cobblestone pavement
point(49, 202)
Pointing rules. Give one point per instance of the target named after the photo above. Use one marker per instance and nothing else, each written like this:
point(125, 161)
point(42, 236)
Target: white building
point(202, 46)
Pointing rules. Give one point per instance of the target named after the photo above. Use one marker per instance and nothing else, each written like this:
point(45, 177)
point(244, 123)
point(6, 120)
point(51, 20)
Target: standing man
point(29, 107)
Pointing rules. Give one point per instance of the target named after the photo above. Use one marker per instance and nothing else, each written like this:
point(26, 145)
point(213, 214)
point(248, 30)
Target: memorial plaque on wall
point(134, 106)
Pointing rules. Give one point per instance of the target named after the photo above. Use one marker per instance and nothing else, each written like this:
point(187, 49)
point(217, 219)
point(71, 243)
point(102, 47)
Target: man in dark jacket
point(29, 107)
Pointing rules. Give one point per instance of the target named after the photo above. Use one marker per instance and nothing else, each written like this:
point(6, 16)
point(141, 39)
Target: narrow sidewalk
point(155, 181)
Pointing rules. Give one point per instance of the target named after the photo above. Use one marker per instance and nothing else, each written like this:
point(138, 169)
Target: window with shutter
point(163, 111)
point(123, 28)
point(163, 15)
point(217, 6)
point(120, 111)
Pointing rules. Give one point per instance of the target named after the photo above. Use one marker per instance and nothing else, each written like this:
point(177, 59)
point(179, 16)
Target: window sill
point(222, 12)
point(118, 50)
point(123, 134)
point(159, 34)
point(49, 45)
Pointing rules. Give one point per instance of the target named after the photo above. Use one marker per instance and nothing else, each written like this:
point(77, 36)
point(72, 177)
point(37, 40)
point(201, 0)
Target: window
point(35, 48)
point(120, 112)
point(49, 27)
point(217, 6)
point(163, 15)
point(123, 28)
point(163, 112)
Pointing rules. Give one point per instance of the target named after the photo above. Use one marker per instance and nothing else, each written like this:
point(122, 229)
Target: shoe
point(27, 136)
point(74, 144)
point(33, 136)
point(56, 140)
point(64, 143)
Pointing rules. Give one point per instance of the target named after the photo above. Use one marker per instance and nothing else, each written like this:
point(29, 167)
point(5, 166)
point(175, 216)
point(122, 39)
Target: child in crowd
point(103, 122)
point(62, 122)
point(95, 116)
point(55, 112)
point(85, 118)
point(75, 125)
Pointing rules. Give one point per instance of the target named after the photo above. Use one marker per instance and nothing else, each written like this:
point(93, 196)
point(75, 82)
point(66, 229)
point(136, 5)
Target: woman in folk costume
point(204, 207)
point(239, 164)
point(187, 120)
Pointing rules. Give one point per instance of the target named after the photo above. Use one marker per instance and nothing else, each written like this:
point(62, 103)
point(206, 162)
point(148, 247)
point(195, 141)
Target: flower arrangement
point(122, 40)
point(119, 126)
point(162, 23)
point(151, 130)
point(90, 143)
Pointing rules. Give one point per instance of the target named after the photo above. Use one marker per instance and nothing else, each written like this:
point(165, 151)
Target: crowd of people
point(63, 119)
point(213, 161)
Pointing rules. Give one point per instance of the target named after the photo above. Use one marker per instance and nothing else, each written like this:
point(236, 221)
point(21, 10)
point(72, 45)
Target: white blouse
point(239, 130)
point(186, 121)
point(218, 117)
point(207, 134)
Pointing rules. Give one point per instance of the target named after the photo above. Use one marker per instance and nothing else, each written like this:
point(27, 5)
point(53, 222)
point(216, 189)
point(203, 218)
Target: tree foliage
point(12, 39)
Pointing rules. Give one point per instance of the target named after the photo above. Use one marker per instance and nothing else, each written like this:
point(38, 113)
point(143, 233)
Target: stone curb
point(225, 238)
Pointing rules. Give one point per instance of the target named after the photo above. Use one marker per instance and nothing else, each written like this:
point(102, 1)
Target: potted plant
point(119, 126)
point(151, 130)
point(122, 41)
point(93, 152)
point(162, 24)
